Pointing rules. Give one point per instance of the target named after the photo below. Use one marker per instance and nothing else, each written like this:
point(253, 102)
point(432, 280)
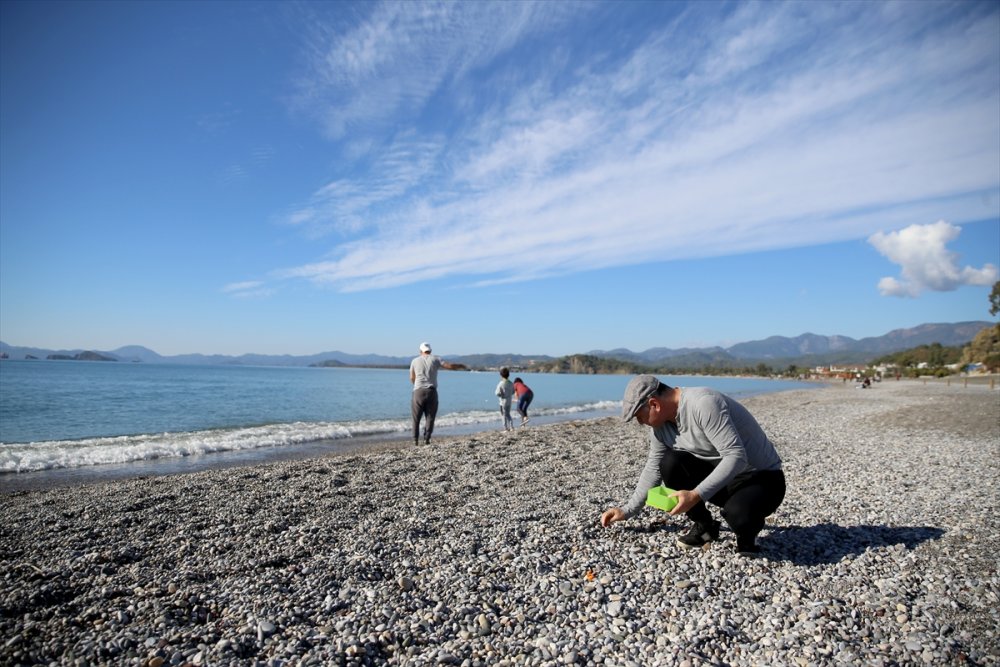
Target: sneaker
point(699, 535)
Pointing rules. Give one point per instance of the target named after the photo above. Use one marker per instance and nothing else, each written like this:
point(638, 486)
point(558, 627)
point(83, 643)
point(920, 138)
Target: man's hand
point(685, 501)
point(611, 516)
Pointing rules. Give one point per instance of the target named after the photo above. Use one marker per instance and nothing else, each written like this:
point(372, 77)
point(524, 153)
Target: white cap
point(425, 347)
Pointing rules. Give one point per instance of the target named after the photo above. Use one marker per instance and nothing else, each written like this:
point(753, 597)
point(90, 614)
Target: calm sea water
point(149, 417)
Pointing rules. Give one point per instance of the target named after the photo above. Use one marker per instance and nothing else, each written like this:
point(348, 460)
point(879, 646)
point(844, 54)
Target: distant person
point(524, 398)
point(423, 376)
point(505, 392)
point(710, 448)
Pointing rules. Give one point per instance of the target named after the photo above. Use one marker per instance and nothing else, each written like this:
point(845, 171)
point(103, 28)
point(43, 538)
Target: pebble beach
point(485, 549)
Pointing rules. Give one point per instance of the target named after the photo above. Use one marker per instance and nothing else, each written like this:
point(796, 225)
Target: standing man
point(423, 376)
point(710, 448)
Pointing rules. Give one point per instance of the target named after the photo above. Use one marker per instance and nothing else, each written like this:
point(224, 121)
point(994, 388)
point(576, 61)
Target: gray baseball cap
point(638, 390)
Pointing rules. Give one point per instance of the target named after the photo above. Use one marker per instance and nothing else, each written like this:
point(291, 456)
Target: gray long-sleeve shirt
point(505, 392)
point(713, 427)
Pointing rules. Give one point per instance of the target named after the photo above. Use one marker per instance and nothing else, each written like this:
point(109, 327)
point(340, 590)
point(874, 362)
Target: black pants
point(746, 501)
point(425, 402)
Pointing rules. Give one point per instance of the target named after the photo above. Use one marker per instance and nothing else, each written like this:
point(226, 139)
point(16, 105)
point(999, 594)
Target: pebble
point(491, 555)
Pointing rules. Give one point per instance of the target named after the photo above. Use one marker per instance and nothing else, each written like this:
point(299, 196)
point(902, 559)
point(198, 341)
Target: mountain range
point(805, 350)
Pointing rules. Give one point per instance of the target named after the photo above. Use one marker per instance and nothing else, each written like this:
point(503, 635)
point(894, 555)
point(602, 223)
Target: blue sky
point(537, 178)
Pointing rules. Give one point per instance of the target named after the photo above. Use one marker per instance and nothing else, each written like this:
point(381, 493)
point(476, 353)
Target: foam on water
point(123, 449)
point(74, 419)
point(36, 456)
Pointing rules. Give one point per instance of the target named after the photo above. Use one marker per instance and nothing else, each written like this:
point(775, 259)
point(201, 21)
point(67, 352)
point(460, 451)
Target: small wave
point(125, 449)
point(600, 406)
point(37, 456)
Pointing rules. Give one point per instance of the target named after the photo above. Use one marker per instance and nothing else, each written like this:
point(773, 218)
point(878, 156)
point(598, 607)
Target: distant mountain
point(807, 349)
point(660, 355)
point(497, 360)
point(926, 334)
point(777, 347)
point(137, 353)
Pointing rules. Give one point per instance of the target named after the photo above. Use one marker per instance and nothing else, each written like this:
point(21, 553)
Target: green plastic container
point(659, 497)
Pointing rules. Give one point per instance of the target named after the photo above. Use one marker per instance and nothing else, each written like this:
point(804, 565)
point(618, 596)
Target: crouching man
point(710, 448)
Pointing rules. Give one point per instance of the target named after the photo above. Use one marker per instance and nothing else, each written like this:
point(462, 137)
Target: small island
point(82, 356)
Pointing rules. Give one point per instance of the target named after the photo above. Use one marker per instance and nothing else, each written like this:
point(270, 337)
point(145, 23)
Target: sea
point(67, 422)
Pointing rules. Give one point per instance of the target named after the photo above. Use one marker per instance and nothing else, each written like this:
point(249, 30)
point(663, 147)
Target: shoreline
point(165, 465)
point(39, 480)
point(57, 478)
point(484, 549)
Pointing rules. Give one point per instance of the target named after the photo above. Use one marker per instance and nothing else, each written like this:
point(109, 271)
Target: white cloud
point(402, 53)
point(925, 261)
point(250, 289)
point(240, 287)
point(344, 205)
point(709, 134)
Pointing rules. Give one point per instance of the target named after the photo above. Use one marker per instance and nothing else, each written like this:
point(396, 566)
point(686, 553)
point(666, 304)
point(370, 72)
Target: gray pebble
point(478, 563)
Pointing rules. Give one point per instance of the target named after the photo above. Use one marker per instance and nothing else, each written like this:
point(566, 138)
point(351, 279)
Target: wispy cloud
point(487, 142)
point(233, 173)
point(347, 205)
point(925, 261)
point(243, 170)
point(217, 122)
point(250, 289)
point(403, 53)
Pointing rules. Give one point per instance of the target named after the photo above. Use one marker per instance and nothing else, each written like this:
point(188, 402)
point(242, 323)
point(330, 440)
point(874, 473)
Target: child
point(505, 391)
point(524, 396)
